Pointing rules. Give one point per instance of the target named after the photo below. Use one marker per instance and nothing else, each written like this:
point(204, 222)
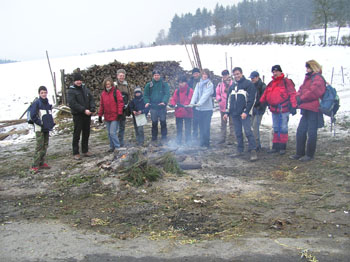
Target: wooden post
point(63, 88)
point(188, 54)
point(332, 75)
point(52, 76)
point(194, 57)
point(342, 73)
point(197, 56)
point(226, 60)
point(231, 65)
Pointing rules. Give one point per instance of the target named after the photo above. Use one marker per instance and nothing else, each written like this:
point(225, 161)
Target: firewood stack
point(137, 74)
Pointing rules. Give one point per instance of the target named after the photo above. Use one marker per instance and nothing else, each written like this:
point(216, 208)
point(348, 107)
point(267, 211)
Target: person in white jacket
point(202, 99)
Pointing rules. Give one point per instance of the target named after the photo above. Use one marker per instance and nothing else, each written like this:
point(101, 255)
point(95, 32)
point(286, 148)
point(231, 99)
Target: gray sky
point(72, 27)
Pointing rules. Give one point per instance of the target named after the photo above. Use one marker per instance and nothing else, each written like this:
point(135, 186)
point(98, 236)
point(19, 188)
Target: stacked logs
point(137, 74)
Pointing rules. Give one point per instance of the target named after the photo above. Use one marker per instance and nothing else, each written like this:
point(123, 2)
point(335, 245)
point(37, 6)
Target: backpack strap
point(115, 95)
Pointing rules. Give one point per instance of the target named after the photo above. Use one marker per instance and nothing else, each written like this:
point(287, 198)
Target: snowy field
point(19, 82)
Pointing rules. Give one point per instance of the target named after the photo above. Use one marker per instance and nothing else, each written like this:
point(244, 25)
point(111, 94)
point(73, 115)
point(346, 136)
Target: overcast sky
point(70, 27)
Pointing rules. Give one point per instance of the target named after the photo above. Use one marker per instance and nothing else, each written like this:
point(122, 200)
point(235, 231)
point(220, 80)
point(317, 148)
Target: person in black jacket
point(240, 101)
point(41, 115)
point(258, 109)
point(137, 107)
point(82, 106)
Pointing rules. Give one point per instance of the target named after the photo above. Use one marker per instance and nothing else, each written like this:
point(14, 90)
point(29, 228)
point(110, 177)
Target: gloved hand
point(171, 106)
point(293, 111)
point(100, 119)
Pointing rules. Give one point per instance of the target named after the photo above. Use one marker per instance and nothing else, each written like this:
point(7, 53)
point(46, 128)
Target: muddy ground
point(229, 210)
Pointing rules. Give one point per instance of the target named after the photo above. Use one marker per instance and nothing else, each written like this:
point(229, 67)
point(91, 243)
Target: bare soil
point(229, 199)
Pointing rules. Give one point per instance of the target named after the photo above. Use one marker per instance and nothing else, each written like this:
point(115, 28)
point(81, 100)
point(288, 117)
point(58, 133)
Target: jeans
point(81, 126)
point(195, 124)
point(112, 129)
point(158, 114)
point(307, 130)
point(256, 121)
point(140, 136)
point(121, 131)
point(245, 124)
point(204, 127)
point(179, 127)
point(280, 127)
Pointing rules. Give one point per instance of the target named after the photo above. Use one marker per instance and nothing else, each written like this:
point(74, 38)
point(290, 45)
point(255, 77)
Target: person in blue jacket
point(41, 115)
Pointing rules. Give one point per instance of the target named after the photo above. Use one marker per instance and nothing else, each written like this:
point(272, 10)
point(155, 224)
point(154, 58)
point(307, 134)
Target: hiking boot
point(77, 157)
point(253, 156)
point(305, 158)
point(111, 150)
point(295, 157)
point(34, 170)
point(88, 154)
point(282, 152)
point(272, 151)
point(44, 166)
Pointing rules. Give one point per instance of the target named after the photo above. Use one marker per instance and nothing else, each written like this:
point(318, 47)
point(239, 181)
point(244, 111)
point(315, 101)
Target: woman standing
point(202, 99)
point(308, 96)
point(111, 107)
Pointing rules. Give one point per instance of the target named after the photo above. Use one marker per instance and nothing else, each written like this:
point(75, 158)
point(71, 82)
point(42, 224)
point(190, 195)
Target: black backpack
point(125, 96)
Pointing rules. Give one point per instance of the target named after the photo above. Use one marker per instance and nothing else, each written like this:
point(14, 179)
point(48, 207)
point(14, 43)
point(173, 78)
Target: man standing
point(156, 96)
point(196, 77)
point(240, 101)
point(259, 109)
point(122, 85)
point(280, 96)
point(82, 106)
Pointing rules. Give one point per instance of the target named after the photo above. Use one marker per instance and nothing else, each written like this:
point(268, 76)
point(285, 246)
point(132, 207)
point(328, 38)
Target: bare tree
point(323, 14)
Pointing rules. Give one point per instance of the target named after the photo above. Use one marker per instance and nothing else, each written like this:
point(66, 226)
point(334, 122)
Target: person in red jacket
point(181, 98)
point(308, 97)
point(111, 107)
point(280, 96)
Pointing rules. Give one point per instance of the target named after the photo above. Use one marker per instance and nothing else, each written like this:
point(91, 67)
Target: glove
point(171, 106)
point(293, 111)
point(100, 119)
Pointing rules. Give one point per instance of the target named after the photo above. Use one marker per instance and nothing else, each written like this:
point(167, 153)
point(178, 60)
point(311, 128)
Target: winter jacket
point(108, 107)
point(181, 97)
point(311, 91)
point(126, 94)
point(202, 95)
point(156, 92)
point(80, 99)
point(221, 95)
point(241, 98)
point(279, 95)
point(193, 82)
point(41, 114)
point(259, 109)
point(138, 104)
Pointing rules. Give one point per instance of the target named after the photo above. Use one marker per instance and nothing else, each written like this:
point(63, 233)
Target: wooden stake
point(332, 75)
point(52, 76)
point(194, 57)
point(188, 54)
point(231, 65)
point(63, 88)
point(226, 60)
point(342, 73)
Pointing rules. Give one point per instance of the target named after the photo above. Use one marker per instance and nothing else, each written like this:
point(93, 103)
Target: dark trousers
point(158, 114)
point(179, 127)
point(121, 131)
point(245, 124)
point(204, 127)
point(81, 126)
point(195, 124)
point(307, 130)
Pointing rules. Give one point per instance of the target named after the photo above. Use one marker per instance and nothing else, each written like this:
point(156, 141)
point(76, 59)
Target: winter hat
point(277, 68)
point(254, 74)
point(137, 90)
point(195, 70)
point(119, 71)
point(155, 72)
point(77, 77)
point(42, 88)
point(206, 71)
point(225, 72)
point(314, 66)
point(183, 79)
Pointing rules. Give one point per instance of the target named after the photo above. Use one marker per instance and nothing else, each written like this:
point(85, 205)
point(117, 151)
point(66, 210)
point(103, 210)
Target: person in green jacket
point(156, 97)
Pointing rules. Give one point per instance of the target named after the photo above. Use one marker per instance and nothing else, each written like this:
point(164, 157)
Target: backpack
point(29, 118)
point(126, 109)
point(329, 103)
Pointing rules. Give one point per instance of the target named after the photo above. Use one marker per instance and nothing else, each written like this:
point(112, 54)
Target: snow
point(20, 81)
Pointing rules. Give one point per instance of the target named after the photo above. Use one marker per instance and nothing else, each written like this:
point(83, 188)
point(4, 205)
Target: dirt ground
point(229, 210)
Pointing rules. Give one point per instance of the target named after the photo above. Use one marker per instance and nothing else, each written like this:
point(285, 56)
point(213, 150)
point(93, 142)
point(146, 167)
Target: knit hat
point(77, 77)
point(254, 74)
point(121, 71)
point(206, 71)
point(183, 79)
point(195, 70)
point(225, 72)
point(42, 88)
point(137, 90)
point(155, 72)
point(314, 66)
point(276, 68)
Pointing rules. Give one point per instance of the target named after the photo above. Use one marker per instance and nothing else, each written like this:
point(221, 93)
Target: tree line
point(256, 17)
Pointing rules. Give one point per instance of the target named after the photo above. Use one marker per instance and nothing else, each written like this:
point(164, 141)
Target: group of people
point(242, 104)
